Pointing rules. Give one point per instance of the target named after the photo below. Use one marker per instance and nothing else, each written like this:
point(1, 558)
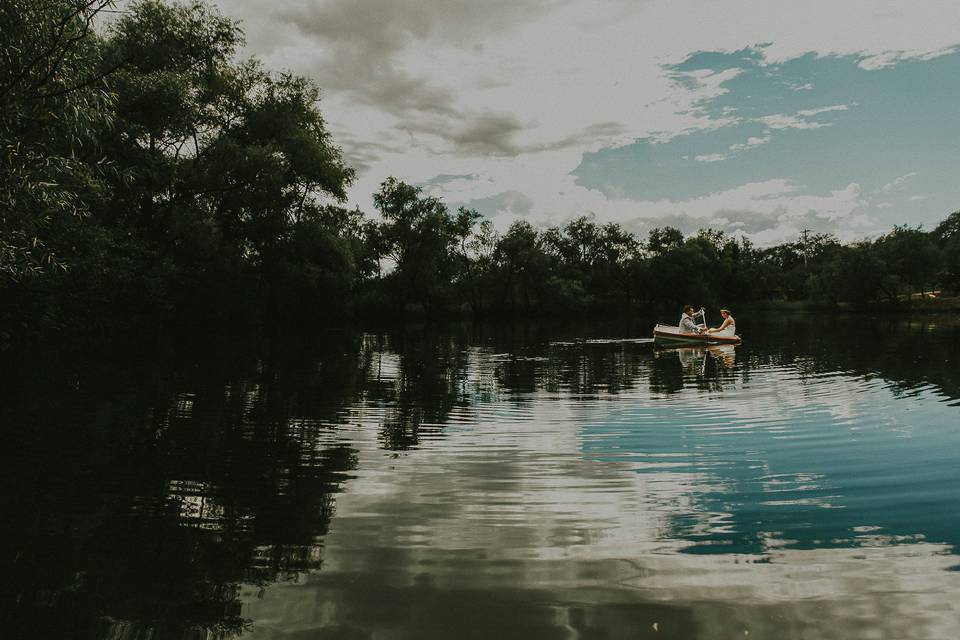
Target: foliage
point(947, 238)
point(54, 109)
point(212, 174)
point(424, 241)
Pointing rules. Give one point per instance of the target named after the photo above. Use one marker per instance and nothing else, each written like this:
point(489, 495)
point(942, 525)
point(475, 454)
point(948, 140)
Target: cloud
point(484, 134)
point(806, 113)
point(363, 43)
point(711, 157)
point(357, 52)
point(389, 25)
point(783, 121)
point(751, 142)
point(447, 178)
point(505, 203)
point(586, 138)
point(897, 183)
point(767, 212)
point(361, 154)
point(890, 58)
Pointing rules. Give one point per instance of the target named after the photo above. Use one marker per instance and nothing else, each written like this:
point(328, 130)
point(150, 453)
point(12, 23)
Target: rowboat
point(670, 334)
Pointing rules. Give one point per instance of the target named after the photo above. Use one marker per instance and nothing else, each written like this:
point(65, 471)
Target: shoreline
point(904, 308)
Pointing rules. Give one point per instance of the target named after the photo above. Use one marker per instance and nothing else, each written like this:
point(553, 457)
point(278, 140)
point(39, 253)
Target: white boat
point(671, 334)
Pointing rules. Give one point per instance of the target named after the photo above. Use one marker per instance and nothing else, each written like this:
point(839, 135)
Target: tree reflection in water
point(142, 495)
point(140, 492)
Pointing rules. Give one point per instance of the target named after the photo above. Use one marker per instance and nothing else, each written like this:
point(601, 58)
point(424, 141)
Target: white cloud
point(783, 121)
point(766, 212)
point(806, 113)
point(897, 183)
point(752, 141)
point(890, 58)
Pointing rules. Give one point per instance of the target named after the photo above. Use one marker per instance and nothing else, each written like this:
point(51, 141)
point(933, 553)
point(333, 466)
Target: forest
point(151, 176)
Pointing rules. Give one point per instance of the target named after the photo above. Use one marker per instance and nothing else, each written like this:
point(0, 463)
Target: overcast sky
point(757, 116)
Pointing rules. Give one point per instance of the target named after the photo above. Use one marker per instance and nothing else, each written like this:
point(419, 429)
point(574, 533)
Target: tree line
point(150, 173)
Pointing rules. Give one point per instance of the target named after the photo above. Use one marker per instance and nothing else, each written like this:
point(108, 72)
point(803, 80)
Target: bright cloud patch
point(898, 183)
point(782, 121)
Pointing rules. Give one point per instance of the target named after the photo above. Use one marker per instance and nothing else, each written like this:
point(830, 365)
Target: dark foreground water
point(511, 482)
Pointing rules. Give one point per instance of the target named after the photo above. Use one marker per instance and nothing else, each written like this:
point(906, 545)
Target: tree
point(856, 274)
point(478, 240)
point(521, 265)
point(161, 171)
point(947, 237)
point(54, 108)
point(230, 166)
point(420, 236)
point(911, 256)
point(662, 239)
point(247, 150)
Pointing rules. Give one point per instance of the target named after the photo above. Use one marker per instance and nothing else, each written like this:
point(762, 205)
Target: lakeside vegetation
point(151, 176)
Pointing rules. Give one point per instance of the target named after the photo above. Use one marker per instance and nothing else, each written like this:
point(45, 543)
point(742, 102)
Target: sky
point(760, 118)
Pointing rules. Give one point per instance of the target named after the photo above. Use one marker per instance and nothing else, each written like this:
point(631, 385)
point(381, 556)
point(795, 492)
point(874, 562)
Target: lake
point(502, 481)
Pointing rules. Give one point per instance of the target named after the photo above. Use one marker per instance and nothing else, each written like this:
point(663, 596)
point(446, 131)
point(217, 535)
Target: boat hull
point(668, 334)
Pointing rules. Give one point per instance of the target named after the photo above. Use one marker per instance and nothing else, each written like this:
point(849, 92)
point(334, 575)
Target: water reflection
point(702, 367)
point(514, 481)
point(139, 510)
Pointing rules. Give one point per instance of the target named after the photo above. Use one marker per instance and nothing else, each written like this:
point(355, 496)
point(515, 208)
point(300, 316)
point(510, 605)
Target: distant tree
point(911, 256)
point(663, 239)
point(617, 272)
point(592, 264)
point(420, 236)
point(947, 237)
point(521, 264)
point(858, 274)
point(949, 228)
point(474, 280)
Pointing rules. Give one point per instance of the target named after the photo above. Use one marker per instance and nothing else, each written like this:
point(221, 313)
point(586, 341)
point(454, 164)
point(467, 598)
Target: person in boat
point(687, 323)
point(728, 327)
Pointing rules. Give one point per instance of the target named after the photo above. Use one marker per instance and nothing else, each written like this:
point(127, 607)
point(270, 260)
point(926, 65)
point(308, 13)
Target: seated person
point(728, 327)
point(687, 323)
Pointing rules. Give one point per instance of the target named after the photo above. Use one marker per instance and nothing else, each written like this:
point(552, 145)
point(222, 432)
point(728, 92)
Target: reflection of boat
point(726, 354)
point(665, 333)
point(694, 357)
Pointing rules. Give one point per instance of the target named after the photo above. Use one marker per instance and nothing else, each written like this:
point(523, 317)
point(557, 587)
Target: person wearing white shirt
point(728, 327)
point(687, 323)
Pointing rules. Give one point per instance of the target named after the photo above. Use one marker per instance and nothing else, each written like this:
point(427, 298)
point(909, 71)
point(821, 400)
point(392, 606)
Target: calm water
point(511, 482)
